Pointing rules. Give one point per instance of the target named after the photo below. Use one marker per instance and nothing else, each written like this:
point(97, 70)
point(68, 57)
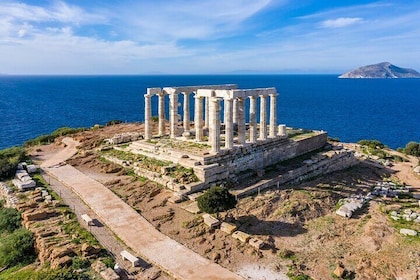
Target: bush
point(109, 261)
point(9, 220)
point(9, 159)
point(372, 144)
point(112, 122)
point(412, 148)
point(80, 263)
point(17, 248)
point(216, 199)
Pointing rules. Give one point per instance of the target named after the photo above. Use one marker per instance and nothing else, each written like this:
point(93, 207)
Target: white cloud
point(340, 22)
point(154, 21)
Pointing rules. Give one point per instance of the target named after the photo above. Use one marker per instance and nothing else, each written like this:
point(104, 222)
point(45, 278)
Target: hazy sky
point(205, 37)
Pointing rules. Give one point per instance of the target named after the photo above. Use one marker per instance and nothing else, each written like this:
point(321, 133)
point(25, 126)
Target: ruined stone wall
point(328, 162)
point(255, 157)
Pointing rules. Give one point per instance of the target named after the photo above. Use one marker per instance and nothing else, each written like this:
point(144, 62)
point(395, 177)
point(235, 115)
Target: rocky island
point(381, 71)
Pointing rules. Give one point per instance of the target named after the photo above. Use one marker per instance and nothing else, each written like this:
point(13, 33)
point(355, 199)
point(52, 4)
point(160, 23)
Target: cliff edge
point(381, 70)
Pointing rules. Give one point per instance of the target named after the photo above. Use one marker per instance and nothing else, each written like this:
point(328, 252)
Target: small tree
point(216, 199)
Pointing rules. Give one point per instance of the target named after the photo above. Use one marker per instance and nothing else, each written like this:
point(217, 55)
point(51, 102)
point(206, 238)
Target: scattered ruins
point(222, 133)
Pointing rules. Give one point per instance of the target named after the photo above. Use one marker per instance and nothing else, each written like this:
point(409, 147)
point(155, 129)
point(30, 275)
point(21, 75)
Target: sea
point(387, 110)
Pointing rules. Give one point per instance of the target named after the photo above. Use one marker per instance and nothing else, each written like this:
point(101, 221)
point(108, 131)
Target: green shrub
point(9, 159)
point(80, 263)
point(412, 148)
point(216, 199)
point(9, 220)
point(373, 144)
point(109, 261)
point(112, 122)
point(17, 248)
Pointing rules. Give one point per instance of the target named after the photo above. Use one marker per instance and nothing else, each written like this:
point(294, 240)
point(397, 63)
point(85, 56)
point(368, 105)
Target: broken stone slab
point(210, 221)
point(228, 228)
point(256, 243)
point(241, 236)
point(192, 208)
point(409, 232)
point(176, 198)
point(344, 212)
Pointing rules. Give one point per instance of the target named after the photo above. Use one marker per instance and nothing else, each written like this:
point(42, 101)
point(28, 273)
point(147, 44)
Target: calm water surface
point(350, 109)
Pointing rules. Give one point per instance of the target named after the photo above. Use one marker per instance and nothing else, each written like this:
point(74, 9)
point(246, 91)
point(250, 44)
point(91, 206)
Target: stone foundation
point(228, 163)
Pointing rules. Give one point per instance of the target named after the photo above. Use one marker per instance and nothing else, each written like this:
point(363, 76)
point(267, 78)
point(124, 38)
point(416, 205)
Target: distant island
point(384, 70)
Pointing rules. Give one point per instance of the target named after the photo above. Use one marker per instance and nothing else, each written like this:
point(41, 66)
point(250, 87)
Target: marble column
point(282, 130)
point(147, 117)
point(252, 119)
point(173, 114)
point(263, 117)
point(241, 121)
point(198, 118)
point(228, 104)
point(161, 113)
point(206, 112)
point(273, 115)
point(186, 112)
point(235, 111)
point(214, 125)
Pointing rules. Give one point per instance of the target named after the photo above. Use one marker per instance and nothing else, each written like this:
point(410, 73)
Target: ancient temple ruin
point(232, 109)
point(221, 133)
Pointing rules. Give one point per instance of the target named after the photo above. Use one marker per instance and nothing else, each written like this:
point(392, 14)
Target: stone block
point(210, 221)
point(409, 232)
point(256, 243)
point(34, 216)
point(241, 236)
point(227, 227)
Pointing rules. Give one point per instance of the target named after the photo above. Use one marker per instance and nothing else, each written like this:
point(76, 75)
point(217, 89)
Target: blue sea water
point(350, 109)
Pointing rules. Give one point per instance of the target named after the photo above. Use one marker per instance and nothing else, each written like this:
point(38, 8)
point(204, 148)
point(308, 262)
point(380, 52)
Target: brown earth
point(297, 222)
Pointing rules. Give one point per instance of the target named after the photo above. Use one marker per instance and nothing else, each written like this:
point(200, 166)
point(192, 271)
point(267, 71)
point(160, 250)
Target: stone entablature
point(233, 111)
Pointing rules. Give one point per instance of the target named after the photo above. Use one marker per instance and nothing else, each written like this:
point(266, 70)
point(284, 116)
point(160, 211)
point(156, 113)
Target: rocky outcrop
point(381, 70)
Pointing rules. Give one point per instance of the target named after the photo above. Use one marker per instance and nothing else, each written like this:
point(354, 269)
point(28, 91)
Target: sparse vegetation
point(49, 138)
point(113, 122)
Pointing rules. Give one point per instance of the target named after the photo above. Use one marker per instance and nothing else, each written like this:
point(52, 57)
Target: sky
point(206, 37)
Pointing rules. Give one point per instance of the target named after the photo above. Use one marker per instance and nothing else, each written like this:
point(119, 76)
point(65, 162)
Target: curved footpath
point(131, 227)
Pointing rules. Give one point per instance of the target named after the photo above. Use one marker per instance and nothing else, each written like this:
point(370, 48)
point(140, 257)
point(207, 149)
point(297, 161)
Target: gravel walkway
point(135, 231)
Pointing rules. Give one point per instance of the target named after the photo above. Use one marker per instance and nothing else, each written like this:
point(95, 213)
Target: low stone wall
point(325, 163)
point(259, 156)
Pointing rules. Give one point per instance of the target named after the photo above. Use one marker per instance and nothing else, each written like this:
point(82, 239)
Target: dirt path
point(131, 227)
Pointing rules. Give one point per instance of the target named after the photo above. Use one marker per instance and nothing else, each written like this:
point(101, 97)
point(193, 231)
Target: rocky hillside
point(381, 70)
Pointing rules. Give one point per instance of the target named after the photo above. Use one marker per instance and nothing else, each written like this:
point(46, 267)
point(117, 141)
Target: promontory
point(382, 70)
